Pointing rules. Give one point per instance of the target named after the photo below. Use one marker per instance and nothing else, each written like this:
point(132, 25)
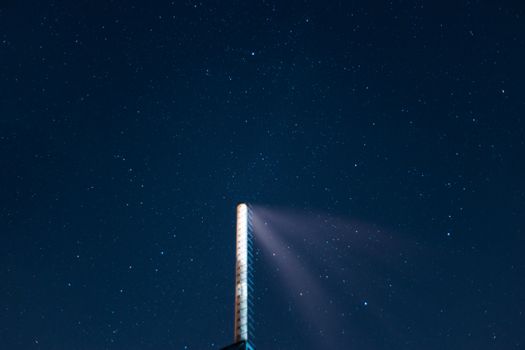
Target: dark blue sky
point(130, 130)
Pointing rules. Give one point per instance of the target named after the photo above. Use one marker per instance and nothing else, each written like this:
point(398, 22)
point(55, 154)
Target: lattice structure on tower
point(244, 287)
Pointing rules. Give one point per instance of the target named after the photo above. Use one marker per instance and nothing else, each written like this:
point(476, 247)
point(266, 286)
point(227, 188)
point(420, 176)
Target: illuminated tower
point(243, 336)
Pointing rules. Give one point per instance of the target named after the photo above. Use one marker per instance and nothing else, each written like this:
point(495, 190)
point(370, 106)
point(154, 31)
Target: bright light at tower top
point(242, 206)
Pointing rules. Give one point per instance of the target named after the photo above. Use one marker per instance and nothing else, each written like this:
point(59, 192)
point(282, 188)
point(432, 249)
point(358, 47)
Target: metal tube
point(243, 276)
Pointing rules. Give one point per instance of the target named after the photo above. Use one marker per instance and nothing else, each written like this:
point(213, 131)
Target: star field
point(129, 131)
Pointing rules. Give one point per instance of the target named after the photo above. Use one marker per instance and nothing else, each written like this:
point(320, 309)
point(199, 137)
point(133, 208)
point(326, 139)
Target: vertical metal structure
point(244, 277)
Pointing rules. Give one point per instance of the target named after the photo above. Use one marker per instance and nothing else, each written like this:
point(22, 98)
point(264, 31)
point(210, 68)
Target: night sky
point(130, 130)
